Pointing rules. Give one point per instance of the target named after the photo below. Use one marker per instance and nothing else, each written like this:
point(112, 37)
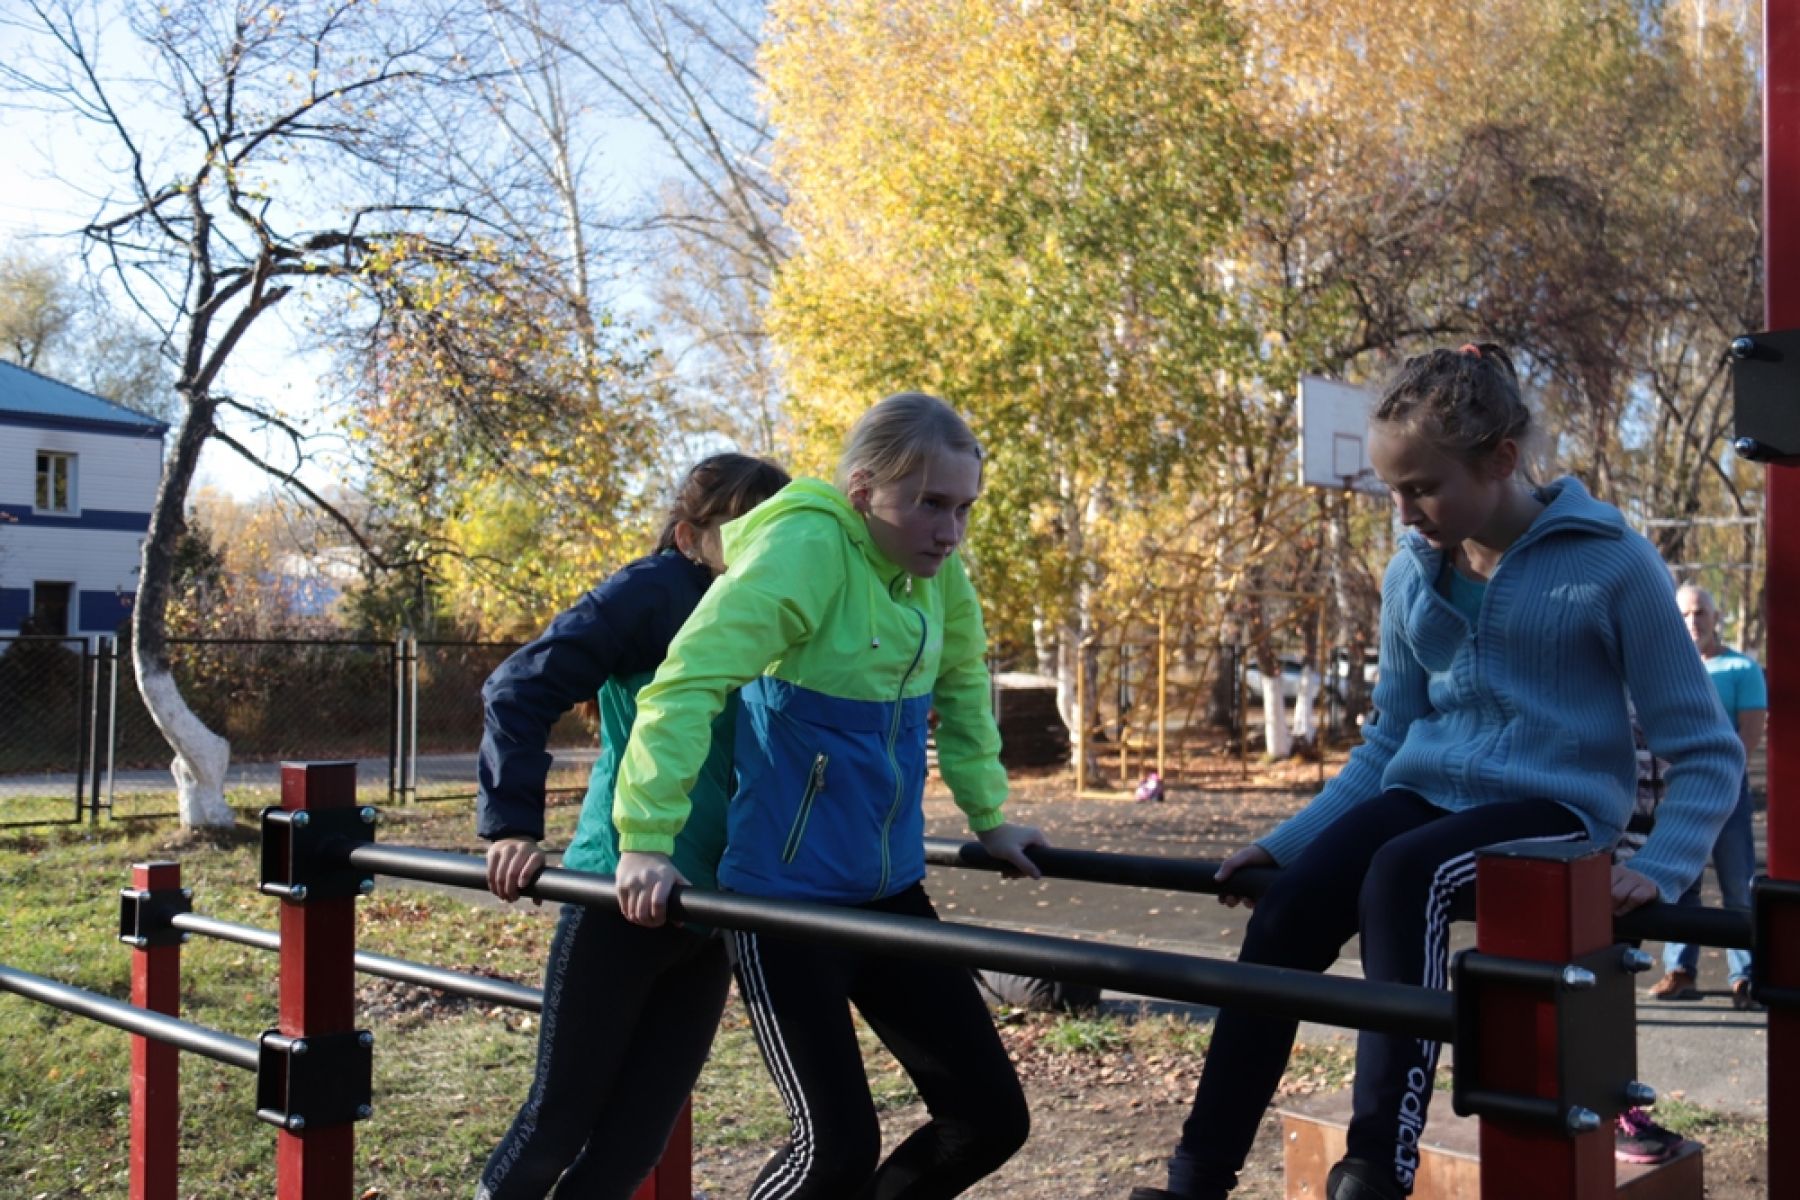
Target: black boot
point(1152, 1194)
point(1360, 1179)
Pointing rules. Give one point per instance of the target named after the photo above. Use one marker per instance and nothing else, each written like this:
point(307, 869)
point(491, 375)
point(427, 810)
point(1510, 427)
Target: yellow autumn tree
point(511, 445)
point(1019, 206)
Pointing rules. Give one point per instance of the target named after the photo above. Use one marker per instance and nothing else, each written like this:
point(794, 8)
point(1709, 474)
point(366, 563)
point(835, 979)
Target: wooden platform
point(1312, 1136)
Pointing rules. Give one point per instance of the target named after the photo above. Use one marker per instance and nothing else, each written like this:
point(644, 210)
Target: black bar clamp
point(1766, 896)
point(1765, 385)
point(314, 1081)
point(1596, 1037)
point(305, 855)
point(146, 918)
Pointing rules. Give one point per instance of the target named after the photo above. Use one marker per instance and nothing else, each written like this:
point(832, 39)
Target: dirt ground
point(1103, 1122)
point(1101, 1125)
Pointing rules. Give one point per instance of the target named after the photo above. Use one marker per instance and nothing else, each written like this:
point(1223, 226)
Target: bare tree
point(708, 229)
point(53, 324)
point(251, 156)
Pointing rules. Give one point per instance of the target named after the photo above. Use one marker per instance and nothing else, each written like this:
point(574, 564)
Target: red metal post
point(155, 1066)
point(673, 1178)
point(1781, 301)
point(1549, 911)
point(318, 991)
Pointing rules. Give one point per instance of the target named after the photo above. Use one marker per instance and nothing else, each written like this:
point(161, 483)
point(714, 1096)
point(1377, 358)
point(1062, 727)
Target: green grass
point(444, 1089)
point(1088, 1035)
point(447, 1082)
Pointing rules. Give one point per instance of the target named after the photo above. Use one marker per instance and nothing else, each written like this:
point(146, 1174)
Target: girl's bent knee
point(839, 1163)
point(1008, 1126)
point(987, 1139)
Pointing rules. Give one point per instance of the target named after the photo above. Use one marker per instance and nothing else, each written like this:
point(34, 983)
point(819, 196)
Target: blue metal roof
point(28, 394)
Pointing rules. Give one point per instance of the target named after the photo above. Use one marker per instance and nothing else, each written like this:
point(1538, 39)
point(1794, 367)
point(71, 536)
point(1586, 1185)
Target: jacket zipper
point(797, 833)
point(887, 826)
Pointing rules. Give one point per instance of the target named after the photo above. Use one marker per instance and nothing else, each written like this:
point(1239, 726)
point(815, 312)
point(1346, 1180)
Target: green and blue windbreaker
point(839, 654)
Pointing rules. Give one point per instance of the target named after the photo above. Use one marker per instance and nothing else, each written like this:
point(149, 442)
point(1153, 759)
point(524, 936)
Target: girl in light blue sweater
point(1514, 622)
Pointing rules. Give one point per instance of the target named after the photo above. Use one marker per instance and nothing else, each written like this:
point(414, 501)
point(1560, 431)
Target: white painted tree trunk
point(1306, 711)
point(1276, 738)
point(201, 755)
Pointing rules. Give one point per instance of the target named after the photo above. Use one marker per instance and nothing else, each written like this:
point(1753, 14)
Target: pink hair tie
point(1469, 348)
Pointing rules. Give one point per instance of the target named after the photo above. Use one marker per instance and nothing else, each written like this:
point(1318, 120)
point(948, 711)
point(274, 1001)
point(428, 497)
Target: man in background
point(1745, 695)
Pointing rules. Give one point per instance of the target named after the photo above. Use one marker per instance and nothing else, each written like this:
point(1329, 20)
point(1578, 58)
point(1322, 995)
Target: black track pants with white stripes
point(933, 1020)
point(1388, 870)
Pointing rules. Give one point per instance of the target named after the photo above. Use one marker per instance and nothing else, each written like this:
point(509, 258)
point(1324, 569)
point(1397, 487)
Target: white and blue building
point(78, 477)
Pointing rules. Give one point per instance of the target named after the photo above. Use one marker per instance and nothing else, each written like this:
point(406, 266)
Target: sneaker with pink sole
point(1638, 1139)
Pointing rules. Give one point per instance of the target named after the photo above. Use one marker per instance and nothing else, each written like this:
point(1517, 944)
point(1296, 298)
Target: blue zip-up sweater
point(616, 635)
point(1529, 701)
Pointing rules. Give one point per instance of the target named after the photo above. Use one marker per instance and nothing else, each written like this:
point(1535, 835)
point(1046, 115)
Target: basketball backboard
point(1334, 436)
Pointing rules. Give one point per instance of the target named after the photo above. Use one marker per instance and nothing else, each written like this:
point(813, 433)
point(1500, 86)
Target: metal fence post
point(112, 719)
point(318, 991)
point(396, 714)
point(1555, 908)
point(412, 719)
point(84, 727)
point(155, 1066)
point(93, 655)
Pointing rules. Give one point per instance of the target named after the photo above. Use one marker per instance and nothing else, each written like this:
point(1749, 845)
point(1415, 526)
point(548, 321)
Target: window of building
point(55, 482)
point(50, 608)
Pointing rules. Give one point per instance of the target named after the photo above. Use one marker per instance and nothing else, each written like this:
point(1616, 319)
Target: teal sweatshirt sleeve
point(770, 599)
point(1682, 719)
point(968, 741)
point(1400, 699)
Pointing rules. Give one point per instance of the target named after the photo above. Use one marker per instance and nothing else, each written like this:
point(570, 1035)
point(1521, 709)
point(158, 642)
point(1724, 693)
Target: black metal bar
point(1095, 866)
point(1277, 991)
point(1720, 927)
point(1540, 1110)
point(478, 987)
point(183, 1035)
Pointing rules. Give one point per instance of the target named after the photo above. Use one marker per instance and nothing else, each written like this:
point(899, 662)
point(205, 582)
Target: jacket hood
point(809, 495)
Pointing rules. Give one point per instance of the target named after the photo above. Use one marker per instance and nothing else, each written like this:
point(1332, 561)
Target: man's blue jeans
point(1734, 860)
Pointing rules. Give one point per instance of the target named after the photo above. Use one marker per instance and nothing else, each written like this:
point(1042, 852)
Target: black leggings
point(1389, 869)
point(933, 1020)
point(629, 1015)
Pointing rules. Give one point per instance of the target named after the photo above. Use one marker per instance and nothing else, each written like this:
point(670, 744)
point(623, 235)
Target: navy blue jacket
point(622, 627)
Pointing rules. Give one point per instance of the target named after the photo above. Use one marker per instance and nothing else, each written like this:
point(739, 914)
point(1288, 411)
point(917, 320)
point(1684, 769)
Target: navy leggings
point(1390, 870)
point(629, 1015)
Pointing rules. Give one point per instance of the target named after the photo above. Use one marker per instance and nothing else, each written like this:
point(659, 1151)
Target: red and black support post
point(144, 910)
point(1781, 301)
point(1545, 1014)
point(313, 1081)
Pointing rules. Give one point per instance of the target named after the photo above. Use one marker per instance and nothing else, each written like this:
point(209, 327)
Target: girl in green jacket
point(844, 617)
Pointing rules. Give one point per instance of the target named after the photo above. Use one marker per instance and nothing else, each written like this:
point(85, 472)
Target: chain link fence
point(45, 729)
point(442, 726)
point(76, 737)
